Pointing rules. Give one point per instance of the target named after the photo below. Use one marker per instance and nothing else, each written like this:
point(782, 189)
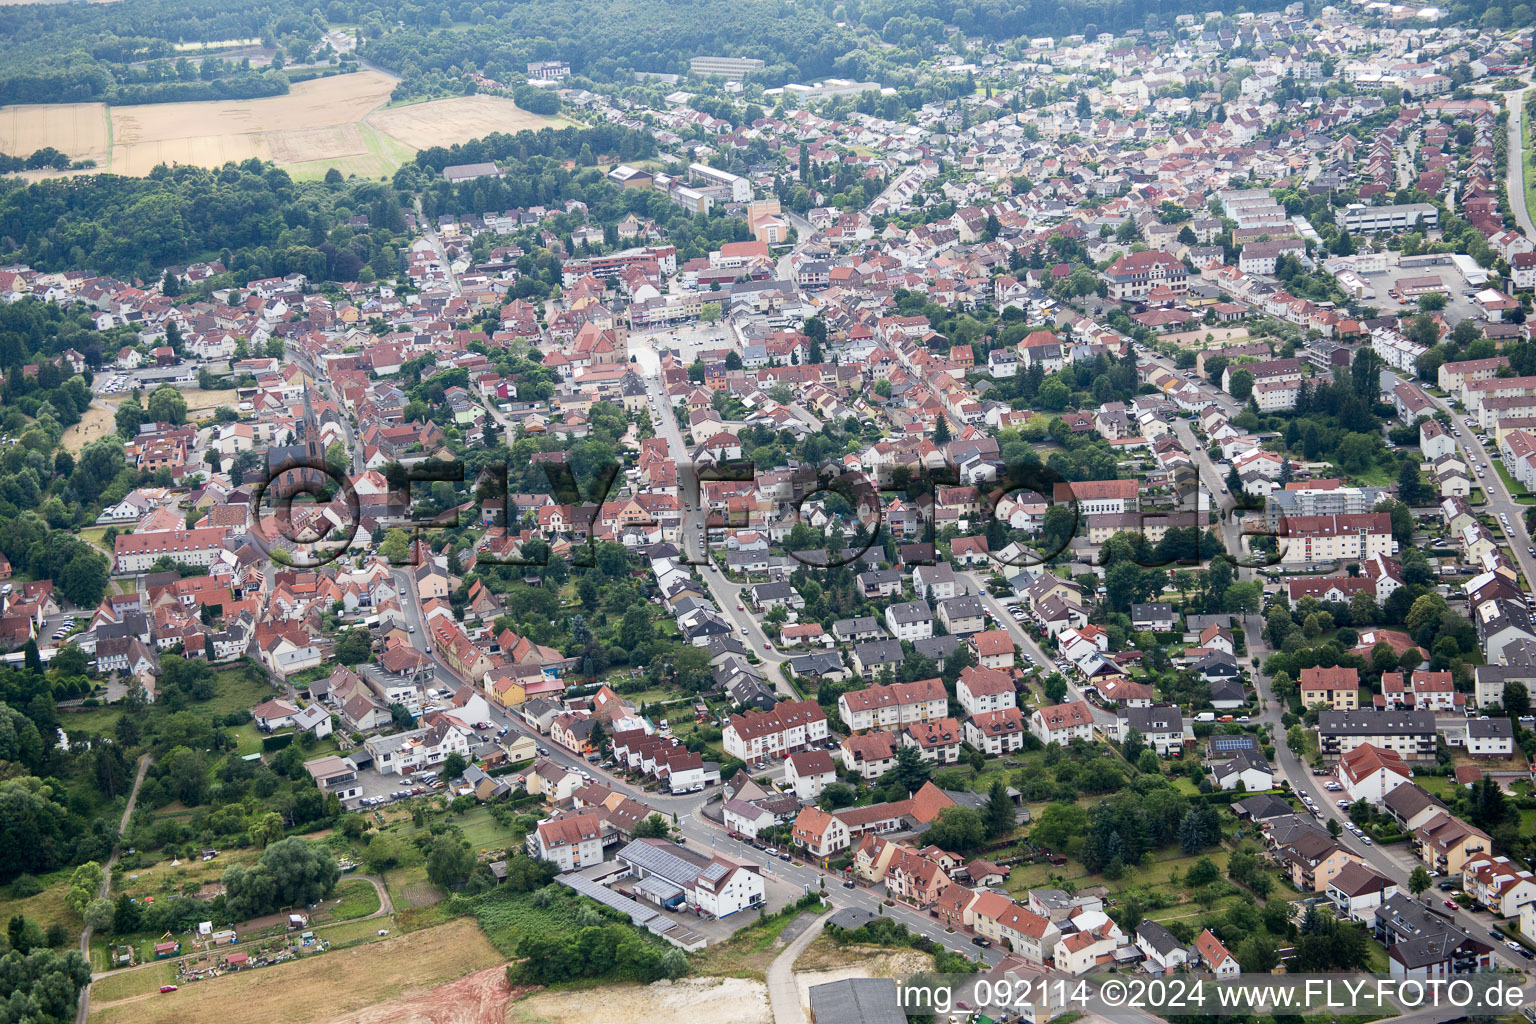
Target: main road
point(1514, 180)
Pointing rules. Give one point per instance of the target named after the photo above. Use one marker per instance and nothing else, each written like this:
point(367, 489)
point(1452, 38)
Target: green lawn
point(355, 898)
point(128, 983)
point(1515, 490)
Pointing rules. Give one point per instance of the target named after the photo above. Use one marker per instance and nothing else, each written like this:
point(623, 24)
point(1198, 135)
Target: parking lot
point(1458, 307)
point(687, 340)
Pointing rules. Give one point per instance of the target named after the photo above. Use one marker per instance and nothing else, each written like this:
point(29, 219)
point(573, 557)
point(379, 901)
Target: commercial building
point(1357, 217)
point(731, 67)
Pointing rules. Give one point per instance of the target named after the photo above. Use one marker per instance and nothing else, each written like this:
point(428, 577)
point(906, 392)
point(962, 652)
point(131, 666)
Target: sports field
point(342, 122)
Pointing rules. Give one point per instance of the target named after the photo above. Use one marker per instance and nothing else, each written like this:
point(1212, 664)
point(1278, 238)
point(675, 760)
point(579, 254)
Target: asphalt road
point(1513, 180)
point(1499, 503)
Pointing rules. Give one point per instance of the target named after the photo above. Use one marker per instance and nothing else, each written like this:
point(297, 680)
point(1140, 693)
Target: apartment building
point(898, 704)
point(789, 727)
point(1410, 734)
point(1306, 539)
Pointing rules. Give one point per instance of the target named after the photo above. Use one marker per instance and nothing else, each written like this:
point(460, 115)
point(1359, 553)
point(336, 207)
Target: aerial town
point(1077, 525)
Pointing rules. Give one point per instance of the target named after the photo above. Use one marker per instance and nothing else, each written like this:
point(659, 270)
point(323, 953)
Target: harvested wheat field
point(78, 129)
point(717, 1000)
point(444, 122)
point(403, 976)
point(99, 420)
point(317, 119)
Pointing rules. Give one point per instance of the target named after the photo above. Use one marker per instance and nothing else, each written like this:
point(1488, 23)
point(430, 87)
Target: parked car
point(848, 883)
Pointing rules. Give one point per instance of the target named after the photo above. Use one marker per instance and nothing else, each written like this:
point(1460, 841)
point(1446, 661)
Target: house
point(936, 739)
point(996, 733)
point(871, 754)
point(1161, 726)
point(981, 689)
point(909, 620)
point(1410, 733)
point(1422, 941)
point(819, 833)
point(788, 727)
point(1337, 688)
point(1215, 957)
point(993, 649)
point(1062, 723)
point(1411, 806)
point(1157, 617)
point(1081, 951)
point(1313, 859)
point(808, 772)
point(962, 616)
point(1498, 884)
point(1356, 891)
point(1159, 946)
point(1490, 737)
point(1370, 772)
point(1445, 843)
point(570, 842)
point(1248, 767)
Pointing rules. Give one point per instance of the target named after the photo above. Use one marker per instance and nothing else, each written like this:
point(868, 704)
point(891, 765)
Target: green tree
point(450, 863)
point(957, 828)
point(353, 647)
point(167, 406)
point(1419, 880)
point(910, 770)
point(1241, 384)
point(998, 813)
point(653, 826)
point(291, 872)
point(454, 765)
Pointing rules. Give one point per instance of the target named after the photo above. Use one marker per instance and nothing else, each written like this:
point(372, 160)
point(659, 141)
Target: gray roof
point(936, 647)
point(910, 611)
point(857, 1001)
point(1160, 718)
point(659, 857)
point(1395, 722)
point(1158, 937)
point(816, 663)
point(965, 606)
point(1493, 728)
point(878, 652)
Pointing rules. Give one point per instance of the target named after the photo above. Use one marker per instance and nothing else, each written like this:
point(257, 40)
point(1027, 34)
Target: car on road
point(783, 855)
point(1450, 904)
point(1366, 840)
point(739, 607)
point(743, 630)
point(1512, 944)
point(767, 647)
point(979, 941)
point(848, 883)
point(544, 751)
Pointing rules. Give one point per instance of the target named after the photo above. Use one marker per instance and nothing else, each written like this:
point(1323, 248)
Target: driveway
point(783, 993)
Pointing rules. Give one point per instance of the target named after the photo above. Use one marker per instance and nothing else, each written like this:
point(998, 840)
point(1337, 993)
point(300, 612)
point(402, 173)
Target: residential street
point(1499, 500)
